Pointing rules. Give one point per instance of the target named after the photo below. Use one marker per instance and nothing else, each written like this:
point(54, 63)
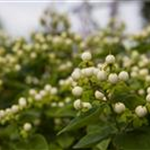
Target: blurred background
point(21, 18)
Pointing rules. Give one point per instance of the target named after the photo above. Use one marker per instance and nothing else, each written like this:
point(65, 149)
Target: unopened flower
point(86, 105)
point(87, 71)
point(148, 98)
point(22, 102)
point(15, 108)
point(123, 75)
point(77, 91)
point(119, 108)
point(101, 75)
point(99, 95)
point(141, 111)
point(76, 74)
point(27, 126)
point(113, 78)
point(110, 59)
point(86, 56)
point(77, 104)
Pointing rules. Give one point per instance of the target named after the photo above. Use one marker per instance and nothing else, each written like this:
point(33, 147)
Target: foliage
point(60, 91)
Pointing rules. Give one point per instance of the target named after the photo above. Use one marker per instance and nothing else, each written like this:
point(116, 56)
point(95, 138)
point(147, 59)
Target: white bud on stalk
point(77, 104)
point(119, 108)
point(87, 105)
point(27, 126)
point(148, 98)
point(101, 75)
point(123, 75)
point(110, 59)
point(76, 74)
point(99, 95)
point(113, 78)
point(86, 56)
point(22, 102)
point(141, 111)
point(77, 91)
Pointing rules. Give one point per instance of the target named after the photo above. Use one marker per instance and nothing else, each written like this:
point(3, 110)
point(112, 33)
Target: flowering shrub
point(60, 91)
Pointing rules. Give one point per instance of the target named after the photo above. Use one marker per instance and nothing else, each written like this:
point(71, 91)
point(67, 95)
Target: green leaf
point(135, 140)
point(83, 120)
point(36, 142)
point(104, 144)
point(99, 134)
point(122, 93)
point(66, 111)
point(68, 141)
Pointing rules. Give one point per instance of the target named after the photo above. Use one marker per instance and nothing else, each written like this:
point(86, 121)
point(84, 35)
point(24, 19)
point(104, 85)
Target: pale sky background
point(19, 19)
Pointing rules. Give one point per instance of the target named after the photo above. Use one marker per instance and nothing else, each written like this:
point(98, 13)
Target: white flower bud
point(95, 71)
point(54, 91)
point(148, 97)
point(119, 108)
point(134, 74)
point(99, 95)
point(101, 75)
point(87, 71)
point(148, 90)
point(140, 111)
point(77, 91)
point(43, 93)
point(141, 92)
point(86, 105)
point(86, 56)
point(77, 104)
point(27, 126)
point(113, 78)
point(110, 59)
point(22, 102)
point(143, 72)
point(47, 87)
point(60, 104)
point(2, 113)
point(147, 78)
point(32, 92)
point(15, 108)
point(38, 97)
point(123, 75)
point(76, 74)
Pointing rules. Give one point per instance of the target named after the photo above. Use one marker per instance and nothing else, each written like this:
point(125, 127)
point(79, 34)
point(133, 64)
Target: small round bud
point(87, 71)
point(123, 75)
point(148, 90)
point(53, 90)
point(60, 104)
point(47, 87)
point(99, 95)
point(148, 98)
point(22, 102)
point(15, 108)
point(143, 72)
point(113, 78)
point(140, 111)
point(86, 105)
point(110, 59)
point(86, 56)
point(77, 104)
point(27, 126)
point(38, 97)
point(32, 92)
point(76, 74)
point(77, 91)
point(101, 75)
point(119, 108)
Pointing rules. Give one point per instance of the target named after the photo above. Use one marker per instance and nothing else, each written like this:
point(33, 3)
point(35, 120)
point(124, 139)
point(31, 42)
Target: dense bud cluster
point(99, 81)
